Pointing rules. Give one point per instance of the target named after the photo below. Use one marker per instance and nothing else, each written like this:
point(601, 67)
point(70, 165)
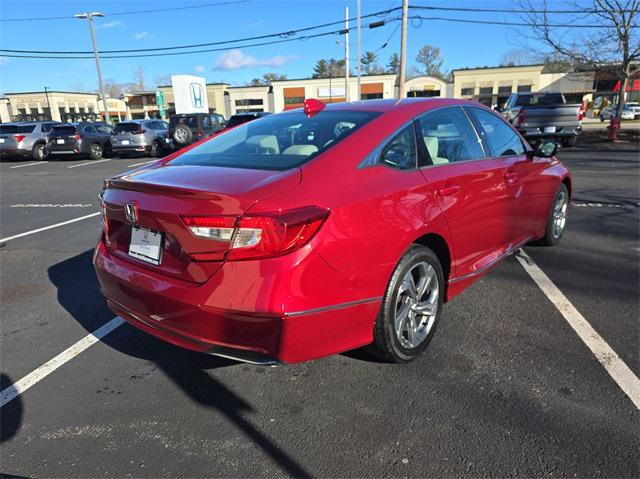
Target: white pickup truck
point(544, 115)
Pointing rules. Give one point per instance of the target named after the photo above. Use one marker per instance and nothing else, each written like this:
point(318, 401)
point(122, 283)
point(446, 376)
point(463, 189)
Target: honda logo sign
point(197, 95)
point(190, 94)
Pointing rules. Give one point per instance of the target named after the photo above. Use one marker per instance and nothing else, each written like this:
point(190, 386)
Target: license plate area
point(146, 245)
point(549, 129)
point(125, 142)
point(60, 141)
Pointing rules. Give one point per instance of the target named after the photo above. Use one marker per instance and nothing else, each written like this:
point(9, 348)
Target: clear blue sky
point(461, 45)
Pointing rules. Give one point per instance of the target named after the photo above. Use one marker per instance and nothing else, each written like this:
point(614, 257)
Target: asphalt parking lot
point(506, 388)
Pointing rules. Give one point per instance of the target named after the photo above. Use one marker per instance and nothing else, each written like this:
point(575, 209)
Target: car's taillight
point(76, 137)
point(103, 217)
point(19, 138)
point(580, 115)
point(521, 116)
point(258, 236)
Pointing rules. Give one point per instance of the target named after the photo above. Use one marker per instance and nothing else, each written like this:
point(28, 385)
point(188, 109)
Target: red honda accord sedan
point(316, 231)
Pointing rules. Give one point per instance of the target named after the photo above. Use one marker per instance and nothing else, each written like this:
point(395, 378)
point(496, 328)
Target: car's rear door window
point(277, 142)
point(448, 136)
point(498, 137)
point(401, 152)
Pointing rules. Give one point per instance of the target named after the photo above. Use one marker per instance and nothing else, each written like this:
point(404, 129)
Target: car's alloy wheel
point(40, 152)
point(416, 305)
point(411, 306)
point(96, 151)
point(557, 219)
point(560, 213)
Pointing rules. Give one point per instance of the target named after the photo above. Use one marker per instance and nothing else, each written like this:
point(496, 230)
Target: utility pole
point(403, 50)
point(46, 94)
point(89, 16)
point(359, 97)
point(346, 54)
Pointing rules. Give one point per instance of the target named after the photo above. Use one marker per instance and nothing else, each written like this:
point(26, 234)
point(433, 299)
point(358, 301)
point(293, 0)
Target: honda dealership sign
point(190, 94)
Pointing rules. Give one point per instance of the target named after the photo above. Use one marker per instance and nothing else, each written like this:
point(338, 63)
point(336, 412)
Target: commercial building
point(247, 99)
point(287, 94)
point(66, 106)
point(493, 85)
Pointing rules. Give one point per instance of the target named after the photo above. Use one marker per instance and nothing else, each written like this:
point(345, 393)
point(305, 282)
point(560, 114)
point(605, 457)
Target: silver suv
point(25, 138)
point(141, 136)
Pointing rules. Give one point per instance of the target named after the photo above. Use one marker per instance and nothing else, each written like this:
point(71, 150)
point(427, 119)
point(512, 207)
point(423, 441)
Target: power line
point(285, 34)
point(506, 10)
point(131, 12)
point(508, 23)
point(58, 57)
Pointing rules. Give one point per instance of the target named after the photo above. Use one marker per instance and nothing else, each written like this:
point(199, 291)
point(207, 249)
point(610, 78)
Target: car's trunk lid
point(163, 195)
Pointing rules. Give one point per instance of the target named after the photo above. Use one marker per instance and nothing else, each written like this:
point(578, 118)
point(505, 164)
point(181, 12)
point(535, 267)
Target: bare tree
point(613, 46)
point(430, 59)
point(162, 80)
point(517, 56)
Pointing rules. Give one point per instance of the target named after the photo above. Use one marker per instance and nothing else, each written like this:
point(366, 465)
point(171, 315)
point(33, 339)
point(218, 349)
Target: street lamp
point(89, 16)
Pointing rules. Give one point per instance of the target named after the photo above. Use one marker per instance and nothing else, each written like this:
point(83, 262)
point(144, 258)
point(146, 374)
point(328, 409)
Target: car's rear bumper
point(536, 133)
point(130, 148)
point(215, 317)
point(13, 151)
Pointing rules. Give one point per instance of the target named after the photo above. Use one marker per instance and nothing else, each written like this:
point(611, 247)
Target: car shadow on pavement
point(11, 413)
point(79, 294)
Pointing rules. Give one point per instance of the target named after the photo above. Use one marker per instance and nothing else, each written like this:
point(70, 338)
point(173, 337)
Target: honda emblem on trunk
point(131, 212)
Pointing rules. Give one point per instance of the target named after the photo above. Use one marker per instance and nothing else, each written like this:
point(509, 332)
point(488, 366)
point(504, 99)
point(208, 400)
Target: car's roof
point(395, 105)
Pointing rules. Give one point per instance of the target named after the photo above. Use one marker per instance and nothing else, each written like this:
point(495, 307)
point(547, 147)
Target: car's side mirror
point(545, 149)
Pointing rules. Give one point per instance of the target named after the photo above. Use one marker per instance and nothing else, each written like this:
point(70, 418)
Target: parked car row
point(40, 140)
point(630, 111)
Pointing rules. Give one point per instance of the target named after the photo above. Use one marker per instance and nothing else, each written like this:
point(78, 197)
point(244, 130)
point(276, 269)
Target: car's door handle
point(449, 190)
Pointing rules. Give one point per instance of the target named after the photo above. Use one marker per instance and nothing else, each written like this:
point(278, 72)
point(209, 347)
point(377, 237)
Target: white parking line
point(50, 366)
point(29, 164)
point(89, 163)
point(140, 164)
point(617, 369)
point(45, 228)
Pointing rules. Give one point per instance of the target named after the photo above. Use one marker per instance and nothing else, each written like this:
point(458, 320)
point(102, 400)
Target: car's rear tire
point(39, 152)
point(182, 135)
point(411, 307)
point(96, 151)
point(557, 219)
point(156, 149)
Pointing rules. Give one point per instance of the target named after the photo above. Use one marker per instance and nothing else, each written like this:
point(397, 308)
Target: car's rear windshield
point(126, 127)
point(546, 99)
point(64, 130)
point(10, 129)
point(276, 142)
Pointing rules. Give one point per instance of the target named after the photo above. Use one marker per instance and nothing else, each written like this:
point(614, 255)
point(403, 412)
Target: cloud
point(236, 60)
point(3, 61)
point(142, 36)
point(111, 24)
point(200, 69)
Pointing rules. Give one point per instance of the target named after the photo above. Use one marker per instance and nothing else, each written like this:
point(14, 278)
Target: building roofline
point(51, 91)
point(336, 78)
point(208, 84)
point(497, 67)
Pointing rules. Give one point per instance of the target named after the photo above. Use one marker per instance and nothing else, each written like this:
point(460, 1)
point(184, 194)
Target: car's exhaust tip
point(243, 356)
